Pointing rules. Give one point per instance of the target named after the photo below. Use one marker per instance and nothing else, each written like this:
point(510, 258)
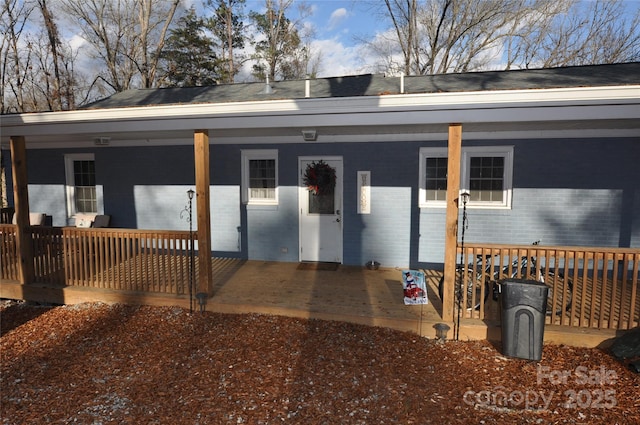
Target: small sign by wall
point(414, 286)
point(364, 192)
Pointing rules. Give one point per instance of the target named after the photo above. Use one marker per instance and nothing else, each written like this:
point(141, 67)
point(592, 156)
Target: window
point(433, 177)
point(486, 178)
point(260, 177)
point(82, 191)
point(486, 173)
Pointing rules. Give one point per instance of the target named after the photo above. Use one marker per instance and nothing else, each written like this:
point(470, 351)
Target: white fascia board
point(368, 119)
point(588, 103)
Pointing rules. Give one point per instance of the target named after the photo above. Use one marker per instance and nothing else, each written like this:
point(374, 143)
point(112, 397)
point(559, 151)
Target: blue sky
point(344, 20)
point(336, 19)
point(339, 27)
point(339, 24)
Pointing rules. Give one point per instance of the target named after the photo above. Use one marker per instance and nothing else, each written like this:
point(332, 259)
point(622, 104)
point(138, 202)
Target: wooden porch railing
point(589, 287)
point(124, 259)
point(118, 259)
point(8, 252)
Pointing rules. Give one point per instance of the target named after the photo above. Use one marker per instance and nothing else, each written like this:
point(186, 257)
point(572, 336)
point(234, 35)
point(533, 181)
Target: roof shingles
point(378, 84)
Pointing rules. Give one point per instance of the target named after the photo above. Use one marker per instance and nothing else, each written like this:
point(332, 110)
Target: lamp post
point(190, 194)
point(464, 197)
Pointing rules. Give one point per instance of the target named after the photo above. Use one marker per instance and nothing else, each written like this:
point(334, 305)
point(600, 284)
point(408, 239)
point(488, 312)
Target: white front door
point(320, 209)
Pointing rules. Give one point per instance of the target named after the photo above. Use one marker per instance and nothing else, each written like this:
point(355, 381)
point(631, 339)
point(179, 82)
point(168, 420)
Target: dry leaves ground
point(100, 364)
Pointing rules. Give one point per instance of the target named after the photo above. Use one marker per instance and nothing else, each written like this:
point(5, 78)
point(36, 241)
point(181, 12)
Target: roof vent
point(267, 88)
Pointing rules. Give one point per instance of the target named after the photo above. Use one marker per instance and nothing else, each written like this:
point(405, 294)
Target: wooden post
point(203, 211)
point(24, 244)
point(451, 236)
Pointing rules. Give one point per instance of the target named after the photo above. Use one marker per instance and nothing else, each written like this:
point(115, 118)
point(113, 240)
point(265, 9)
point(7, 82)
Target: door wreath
point(320, 178)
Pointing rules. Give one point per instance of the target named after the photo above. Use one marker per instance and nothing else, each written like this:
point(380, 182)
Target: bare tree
point(153, 15)
point(439, 36)
point(60, 83)
point(404, 15)
point(578, 33)
point(15, 54)
point(126, 36)
point(54, 43)
point(464, 35)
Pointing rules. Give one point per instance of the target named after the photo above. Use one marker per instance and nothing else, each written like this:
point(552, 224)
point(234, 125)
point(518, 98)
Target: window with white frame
point(486, 173)
point(433, 177)
point(82, 193)
point(260, 176)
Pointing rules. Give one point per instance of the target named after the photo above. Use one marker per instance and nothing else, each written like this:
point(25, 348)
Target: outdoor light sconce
point(309, 135)
point(202, 300)
point(464, 197)
point(441, 331)
point(192, 267)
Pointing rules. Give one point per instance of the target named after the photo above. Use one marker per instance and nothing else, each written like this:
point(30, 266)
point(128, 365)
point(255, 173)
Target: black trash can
point(523, 310)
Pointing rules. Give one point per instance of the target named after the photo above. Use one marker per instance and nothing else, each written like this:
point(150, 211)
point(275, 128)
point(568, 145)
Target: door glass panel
point(322, 203)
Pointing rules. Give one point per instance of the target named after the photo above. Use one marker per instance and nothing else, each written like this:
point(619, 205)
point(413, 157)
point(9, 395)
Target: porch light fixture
point(309, 135)
point(441, 331)
point(464, 197)
point(192, 268)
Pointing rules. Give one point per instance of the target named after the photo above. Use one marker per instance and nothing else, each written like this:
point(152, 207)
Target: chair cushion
point(35, 219)
point(101, 221)
point(84, 220)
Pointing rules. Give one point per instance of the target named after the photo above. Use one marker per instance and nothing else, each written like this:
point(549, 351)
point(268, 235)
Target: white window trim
point(70, 188)
point(504, 151)
point(257, 154)
point(422, 190)
point(465, 158)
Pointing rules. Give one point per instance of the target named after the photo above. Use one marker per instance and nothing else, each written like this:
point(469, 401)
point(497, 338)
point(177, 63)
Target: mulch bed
point(100, 364)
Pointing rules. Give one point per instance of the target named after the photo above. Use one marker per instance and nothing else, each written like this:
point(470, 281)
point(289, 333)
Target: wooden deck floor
point(354, 294)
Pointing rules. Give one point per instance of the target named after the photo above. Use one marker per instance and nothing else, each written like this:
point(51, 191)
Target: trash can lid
point(514, 281)
point(523, 292)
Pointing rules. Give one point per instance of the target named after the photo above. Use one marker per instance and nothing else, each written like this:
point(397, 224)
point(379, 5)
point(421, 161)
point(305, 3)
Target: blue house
point(353, 169)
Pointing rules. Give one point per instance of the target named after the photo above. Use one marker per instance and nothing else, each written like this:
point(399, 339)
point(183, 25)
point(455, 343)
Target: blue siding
point(566, 192)
point(272, 231)
point(385, 236)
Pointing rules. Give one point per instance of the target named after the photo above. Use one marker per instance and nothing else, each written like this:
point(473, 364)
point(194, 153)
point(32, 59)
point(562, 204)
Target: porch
point(152, 267)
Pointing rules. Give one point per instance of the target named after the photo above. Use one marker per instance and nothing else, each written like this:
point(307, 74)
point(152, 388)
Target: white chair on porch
point(35, 219)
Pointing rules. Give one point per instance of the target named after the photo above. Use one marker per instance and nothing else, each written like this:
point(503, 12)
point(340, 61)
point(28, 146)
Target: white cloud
point(339, 60)
point(337, 18)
